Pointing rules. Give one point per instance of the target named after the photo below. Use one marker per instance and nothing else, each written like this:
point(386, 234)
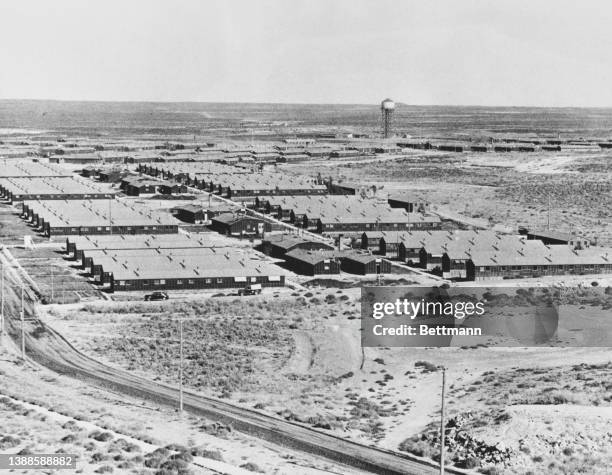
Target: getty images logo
point(460, 316)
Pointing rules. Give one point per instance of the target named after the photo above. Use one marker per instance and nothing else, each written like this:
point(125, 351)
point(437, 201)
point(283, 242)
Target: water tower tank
point(387, 104)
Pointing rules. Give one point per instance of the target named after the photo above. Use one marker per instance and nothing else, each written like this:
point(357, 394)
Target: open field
point(145, 119)
point(314, 374)
point(46, 413)
point(510, 190)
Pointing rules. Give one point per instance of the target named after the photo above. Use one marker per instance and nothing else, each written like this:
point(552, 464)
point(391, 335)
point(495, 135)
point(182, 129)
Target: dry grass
point(230, 345)
point(26, 431)
point(512, 195)
point(220, 353)
point(569, 193)
point(579, 384)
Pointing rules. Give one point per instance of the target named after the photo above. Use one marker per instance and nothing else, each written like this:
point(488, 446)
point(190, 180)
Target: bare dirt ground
point(302, 360)
point(42, 412)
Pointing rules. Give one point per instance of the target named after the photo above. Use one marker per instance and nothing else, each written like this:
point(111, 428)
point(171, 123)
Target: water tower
point(387, 107)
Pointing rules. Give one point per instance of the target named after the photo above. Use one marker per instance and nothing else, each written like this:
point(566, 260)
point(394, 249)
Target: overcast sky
point(489, 52)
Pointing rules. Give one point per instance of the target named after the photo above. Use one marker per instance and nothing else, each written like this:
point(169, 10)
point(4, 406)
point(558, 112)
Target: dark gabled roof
point(351, 186)
point(311, 257)
point(551, 235)
point(171, 184)
point(189, 208)
point(143, 181)
point(288, 241)
point(140, 184)
point(407, 196)
point(231, 218)
point(220, 208)
point(360, 257)
point(131, 178)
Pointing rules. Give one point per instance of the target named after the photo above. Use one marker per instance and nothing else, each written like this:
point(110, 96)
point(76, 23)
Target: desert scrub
point(591, 196)
point(156, 458)
point(211, 454)
point(104, 469)
point(251, 467)
point(426, 366)
point(583, 384)
point(122, 445)
point(8, 442)
point(366, 408)
point(199, 308)
point(101, 436)
point(220, 353)
point(69, 439)
point(556, 397)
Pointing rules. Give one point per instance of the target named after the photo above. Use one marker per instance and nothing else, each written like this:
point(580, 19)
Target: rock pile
point(464, 450)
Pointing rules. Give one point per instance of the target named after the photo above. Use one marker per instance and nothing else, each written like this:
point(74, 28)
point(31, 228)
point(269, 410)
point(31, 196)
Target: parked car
point(157, 296)
point(252, 289)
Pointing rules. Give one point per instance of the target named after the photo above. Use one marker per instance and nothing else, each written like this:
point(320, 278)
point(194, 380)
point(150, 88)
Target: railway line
point(49, 348)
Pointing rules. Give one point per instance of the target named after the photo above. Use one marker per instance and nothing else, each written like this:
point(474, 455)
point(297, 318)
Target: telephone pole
point(548, 218)
point(22, 326)
point(110, 216)
point(181, 368)
point(442, 442)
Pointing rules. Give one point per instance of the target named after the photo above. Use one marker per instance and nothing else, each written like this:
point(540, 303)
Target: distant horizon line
point(376, 104)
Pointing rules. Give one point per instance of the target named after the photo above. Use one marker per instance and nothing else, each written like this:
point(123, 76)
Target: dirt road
point(47, 347)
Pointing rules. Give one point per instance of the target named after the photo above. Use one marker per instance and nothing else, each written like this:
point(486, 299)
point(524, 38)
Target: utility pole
point(442, 442)
point(181, 368)
point(110, 216)
point(548, 220)
point(52, 284)
point(22, 326)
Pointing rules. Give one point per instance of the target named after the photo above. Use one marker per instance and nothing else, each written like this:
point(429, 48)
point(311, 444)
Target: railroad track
point(47, 347)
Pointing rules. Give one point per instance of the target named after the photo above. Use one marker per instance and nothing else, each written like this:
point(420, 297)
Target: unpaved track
point(49, 348)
